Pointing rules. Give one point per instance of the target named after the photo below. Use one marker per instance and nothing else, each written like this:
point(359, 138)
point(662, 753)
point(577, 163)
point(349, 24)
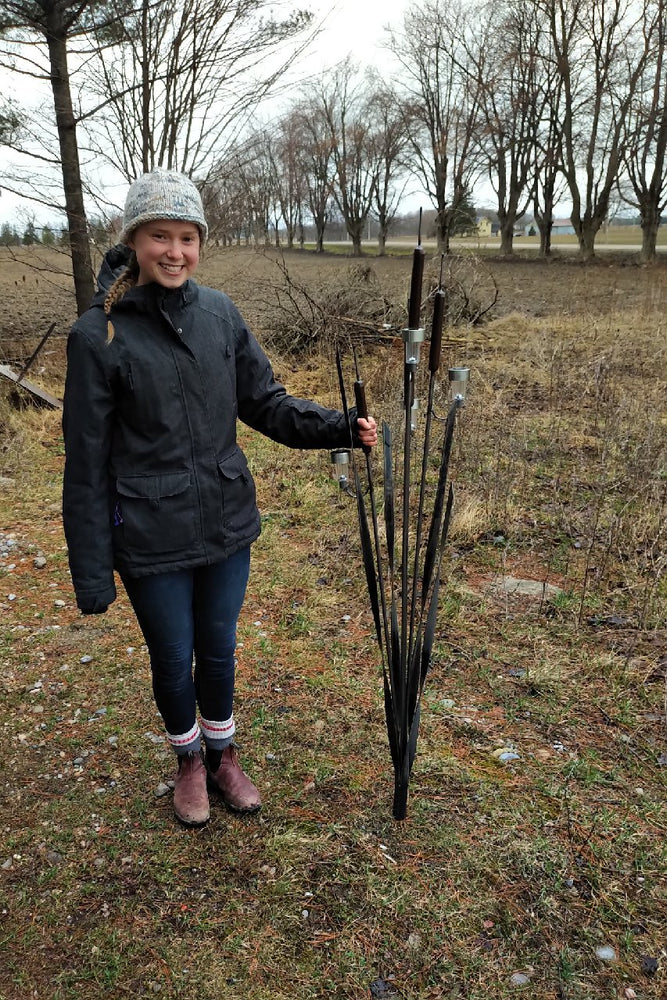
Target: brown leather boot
point(190, 796)
point(236, 788)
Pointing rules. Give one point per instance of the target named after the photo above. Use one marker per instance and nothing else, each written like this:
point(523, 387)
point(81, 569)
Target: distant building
point(562, 227)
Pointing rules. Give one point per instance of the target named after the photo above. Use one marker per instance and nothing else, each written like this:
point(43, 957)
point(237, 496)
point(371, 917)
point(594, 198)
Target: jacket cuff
point(93, 603)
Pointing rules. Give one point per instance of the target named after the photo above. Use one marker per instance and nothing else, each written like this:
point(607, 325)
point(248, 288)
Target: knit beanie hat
point(162, 194)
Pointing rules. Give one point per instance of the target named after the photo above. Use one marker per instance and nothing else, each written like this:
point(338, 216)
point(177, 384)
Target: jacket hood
point(114, 263)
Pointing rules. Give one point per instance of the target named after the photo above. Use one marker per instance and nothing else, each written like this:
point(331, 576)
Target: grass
point(501, 870)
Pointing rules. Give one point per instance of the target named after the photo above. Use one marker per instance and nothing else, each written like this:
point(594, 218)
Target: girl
point(156, 486)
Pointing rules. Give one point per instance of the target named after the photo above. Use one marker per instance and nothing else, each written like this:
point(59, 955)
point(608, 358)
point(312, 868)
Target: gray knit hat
point(162, 194)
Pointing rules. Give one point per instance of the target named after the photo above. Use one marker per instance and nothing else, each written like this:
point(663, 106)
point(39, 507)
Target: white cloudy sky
point(355, 27)
point(347, 27)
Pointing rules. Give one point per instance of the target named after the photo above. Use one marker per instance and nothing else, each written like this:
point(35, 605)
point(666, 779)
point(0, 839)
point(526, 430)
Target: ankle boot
point(190, 796)
point(235, 787)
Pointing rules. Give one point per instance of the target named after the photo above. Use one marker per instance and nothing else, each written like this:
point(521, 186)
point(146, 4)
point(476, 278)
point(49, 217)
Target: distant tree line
point(544, 100)
point(32, 234)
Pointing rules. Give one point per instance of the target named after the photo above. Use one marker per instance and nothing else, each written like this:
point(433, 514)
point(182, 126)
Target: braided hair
point(126, 279)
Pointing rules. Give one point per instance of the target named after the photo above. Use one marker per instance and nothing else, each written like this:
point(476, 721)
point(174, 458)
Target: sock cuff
point(218, 734)
point(185, 742)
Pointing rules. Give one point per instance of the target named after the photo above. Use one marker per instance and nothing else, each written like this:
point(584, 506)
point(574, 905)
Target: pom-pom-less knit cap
point(162, 194)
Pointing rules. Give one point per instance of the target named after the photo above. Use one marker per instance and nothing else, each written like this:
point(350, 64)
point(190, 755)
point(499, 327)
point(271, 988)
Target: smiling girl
point(156, 485)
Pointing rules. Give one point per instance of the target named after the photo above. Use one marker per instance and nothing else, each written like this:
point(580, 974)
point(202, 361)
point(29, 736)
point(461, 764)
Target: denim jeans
point(190, 614)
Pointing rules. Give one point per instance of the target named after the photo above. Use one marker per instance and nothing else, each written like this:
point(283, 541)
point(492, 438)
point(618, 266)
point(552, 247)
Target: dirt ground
point(37, 290)
point(532, 859)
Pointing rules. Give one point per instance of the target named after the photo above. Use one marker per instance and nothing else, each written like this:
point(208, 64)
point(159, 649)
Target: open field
point(37, 287)
point(624, 239)
point(542, 876)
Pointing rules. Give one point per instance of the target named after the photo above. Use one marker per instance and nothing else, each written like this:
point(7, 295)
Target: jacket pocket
point(158, 513)
point(240, 515)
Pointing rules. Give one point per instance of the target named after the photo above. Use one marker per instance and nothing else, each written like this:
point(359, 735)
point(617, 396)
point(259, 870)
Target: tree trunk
point(587, 233)
point(507, 237)
point(650, 223)
point(320, 226)
point(355, 230)
point(382, 242)
point(545, 220)
point(545, 239)
point(442, 231)
point(146, 131)
point(82, 267)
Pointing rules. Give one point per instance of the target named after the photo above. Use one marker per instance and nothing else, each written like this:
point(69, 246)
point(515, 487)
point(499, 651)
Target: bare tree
point(441, 105)
point(506, 63)
point(601, 49)
point(645, 137)
point(38, 36)
point(387, 145)
point(316, 157)
point(185, 78)
point(341, 105)
point(286, 152)
point(240, 194)
point(164, 83)
point(549, 183)
point(225, 207)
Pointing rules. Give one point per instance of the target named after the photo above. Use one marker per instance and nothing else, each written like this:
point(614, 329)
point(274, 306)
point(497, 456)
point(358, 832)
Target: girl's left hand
point(367, 431)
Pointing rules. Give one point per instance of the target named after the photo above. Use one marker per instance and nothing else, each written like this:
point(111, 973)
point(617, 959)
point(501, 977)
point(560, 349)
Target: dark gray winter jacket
point(154, 478)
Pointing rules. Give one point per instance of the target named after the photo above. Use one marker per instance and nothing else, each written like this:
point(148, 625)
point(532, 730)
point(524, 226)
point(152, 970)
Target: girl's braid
point(126, 280)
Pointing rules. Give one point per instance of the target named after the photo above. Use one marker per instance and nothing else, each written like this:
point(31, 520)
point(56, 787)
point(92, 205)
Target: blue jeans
point(185, 614)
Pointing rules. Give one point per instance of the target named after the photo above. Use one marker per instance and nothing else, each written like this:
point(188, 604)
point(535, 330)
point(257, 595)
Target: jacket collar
point(154, 295)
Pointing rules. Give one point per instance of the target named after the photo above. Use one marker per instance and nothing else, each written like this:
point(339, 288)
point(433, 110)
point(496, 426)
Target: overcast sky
point(347, 27)
point(355, 27)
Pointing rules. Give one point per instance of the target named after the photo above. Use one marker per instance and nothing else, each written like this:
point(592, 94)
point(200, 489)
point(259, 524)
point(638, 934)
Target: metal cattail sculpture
point(404, 594)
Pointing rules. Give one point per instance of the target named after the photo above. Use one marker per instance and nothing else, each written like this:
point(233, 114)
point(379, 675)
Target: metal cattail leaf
point(436, 324)
point(389, 499)
point(362, 411)
point(390, 532)
point(431, 618)
point(436, 517)
point(368, 557)
point(343, 395)
point(433, 366)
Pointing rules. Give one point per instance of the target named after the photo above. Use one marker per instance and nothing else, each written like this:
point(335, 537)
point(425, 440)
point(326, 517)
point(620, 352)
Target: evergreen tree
point(30, 235)
point(464, 219)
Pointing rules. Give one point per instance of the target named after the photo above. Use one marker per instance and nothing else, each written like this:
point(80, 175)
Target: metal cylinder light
point(340, 461)
point(458, 383)
point(413, 339)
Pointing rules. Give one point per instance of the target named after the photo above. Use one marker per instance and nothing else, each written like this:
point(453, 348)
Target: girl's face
point(167, 252)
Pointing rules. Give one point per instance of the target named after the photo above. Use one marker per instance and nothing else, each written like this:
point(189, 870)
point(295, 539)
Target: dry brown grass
point(500, 869)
